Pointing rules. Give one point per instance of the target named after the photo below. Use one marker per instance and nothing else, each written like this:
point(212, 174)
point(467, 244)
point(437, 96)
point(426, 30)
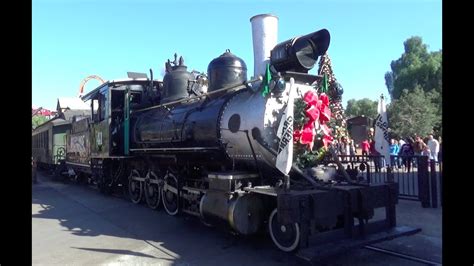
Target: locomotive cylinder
point(241, 212)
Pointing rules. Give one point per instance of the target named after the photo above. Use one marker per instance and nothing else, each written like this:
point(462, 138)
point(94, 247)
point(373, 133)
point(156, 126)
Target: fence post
point(440, 184)
point(390, 177)
point(423, 181)
point(434, 190)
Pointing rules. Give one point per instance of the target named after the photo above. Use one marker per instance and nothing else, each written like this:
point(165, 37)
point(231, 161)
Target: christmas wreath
point(318, 119)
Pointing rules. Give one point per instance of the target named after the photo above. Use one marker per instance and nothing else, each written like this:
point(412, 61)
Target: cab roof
point(94, 92)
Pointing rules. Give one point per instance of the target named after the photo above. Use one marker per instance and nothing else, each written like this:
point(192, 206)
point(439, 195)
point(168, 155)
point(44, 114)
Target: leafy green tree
point(415, 68)
point(364, 107)
point(436, 98)
point(413, 113)
point(38, 120)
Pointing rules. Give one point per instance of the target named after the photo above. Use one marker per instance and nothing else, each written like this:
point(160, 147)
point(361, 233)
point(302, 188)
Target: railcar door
point(117, 122)
point(101, 121)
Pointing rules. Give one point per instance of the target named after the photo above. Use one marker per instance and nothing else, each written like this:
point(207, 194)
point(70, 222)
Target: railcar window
point(95, 108)
point(135, 100)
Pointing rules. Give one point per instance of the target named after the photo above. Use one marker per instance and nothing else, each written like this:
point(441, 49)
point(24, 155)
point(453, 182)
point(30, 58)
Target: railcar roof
point(55, 121)
point(65, 119)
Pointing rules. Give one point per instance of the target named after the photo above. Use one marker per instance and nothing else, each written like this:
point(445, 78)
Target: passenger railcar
point(49, 142)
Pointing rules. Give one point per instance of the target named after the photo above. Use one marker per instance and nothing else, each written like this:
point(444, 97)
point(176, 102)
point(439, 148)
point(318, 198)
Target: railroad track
point(401, 255)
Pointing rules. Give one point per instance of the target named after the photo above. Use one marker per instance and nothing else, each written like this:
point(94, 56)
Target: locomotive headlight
point(301, 53)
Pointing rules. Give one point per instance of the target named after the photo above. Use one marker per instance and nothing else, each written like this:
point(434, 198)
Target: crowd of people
point(401, 150)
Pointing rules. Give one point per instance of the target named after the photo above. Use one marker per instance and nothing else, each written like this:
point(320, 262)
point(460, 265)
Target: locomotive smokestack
point(264, 35)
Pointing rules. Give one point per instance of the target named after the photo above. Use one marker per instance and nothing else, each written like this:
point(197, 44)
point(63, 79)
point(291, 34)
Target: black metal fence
point(419, 179)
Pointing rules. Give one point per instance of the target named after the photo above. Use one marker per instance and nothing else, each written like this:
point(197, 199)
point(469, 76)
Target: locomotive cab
point(111, 104)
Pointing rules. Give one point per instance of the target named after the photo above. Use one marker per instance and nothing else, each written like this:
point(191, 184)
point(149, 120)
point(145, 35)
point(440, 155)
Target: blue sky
point(77, 38)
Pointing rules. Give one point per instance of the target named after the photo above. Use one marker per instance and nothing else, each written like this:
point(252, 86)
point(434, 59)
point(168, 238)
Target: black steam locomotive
point(207, 145)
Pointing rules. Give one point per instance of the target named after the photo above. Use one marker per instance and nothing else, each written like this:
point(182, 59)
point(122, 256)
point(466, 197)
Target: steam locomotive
point(207, 145)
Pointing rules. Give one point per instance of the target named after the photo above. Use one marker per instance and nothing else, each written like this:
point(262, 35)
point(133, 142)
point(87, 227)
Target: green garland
point(338, 119)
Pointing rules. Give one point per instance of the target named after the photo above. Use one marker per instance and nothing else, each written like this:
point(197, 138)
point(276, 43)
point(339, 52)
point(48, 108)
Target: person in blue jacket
point(394, 149)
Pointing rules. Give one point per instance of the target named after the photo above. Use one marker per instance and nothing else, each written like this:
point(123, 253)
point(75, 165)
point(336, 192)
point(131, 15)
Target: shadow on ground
point(83, 211)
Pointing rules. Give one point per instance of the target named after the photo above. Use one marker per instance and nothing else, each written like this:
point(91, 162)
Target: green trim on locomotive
point(126, 124)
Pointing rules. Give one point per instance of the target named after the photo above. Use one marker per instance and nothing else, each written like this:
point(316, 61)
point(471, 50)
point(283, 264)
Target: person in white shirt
point(401, 142)
point(433, 144)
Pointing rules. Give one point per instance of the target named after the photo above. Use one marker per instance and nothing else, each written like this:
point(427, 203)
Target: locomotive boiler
point(229, 127)
point(208, 145)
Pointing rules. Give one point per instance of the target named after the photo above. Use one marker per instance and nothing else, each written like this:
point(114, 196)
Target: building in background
point(359, 128)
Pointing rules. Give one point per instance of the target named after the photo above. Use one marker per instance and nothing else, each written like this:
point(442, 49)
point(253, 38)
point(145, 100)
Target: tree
point(38, 120)
point(436, 99)
point(415, 68)
point(413, 113)
point(364, 107)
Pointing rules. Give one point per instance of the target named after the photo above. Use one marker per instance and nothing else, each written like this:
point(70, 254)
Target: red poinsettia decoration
point(318, 113)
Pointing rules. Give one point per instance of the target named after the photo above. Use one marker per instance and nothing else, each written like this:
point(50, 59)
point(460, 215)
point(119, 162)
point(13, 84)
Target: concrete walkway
point(76, 225)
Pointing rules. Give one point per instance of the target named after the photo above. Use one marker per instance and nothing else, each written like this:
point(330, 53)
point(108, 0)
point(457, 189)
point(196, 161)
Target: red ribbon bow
point(317, 109)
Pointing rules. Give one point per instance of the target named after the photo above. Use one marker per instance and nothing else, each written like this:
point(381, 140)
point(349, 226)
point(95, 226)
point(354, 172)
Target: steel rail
point(401, 255)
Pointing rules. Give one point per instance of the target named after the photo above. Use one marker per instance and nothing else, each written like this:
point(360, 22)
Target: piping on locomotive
point(208, 146)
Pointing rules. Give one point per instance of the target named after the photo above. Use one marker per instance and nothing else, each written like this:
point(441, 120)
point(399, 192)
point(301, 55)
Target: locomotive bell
point(226, 70)
point(176, 82)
